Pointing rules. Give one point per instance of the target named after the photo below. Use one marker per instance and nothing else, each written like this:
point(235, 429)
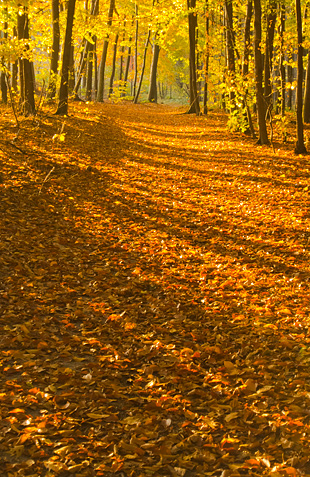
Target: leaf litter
point(155, 298)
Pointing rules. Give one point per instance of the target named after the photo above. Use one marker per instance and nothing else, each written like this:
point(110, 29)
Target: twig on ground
point(46, 179)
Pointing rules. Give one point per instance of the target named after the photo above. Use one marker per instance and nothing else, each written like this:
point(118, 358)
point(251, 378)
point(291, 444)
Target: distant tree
point(51, 93)
point(143, 66)
point(300, 145)
point(269, 48)
point(62, 108)
point(230, 48)
point(152, 97)
point(100, 93)
point(26, 71)
point(260, 100)
point(113, 64)
point(192, 31)
point(206, 59)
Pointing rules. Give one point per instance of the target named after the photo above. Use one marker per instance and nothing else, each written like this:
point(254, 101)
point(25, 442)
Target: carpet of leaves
point(154, 293)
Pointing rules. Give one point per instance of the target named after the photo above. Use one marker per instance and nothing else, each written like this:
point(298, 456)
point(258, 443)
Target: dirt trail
point(154, 294)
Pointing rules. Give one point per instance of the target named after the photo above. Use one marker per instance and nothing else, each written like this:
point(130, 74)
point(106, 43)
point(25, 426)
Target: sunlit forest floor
point(154, 292)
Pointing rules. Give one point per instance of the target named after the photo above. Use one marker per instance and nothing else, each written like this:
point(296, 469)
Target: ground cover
point(154, 293)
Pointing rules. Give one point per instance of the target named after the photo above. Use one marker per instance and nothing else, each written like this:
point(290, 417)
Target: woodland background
point(245, 57)
point(154, 265)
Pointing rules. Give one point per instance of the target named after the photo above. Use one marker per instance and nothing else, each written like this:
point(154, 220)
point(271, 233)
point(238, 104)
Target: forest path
point(154, 293)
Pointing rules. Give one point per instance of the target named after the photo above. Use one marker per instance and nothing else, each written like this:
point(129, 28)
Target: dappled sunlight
point(156, 294)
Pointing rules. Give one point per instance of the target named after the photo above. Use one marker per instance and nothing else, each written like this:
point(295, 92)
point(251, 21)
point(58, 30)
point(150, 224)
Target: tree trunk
point(64, 84)
point(307, 93)
point(143, 67)
point(192, 29)
point(282, 65)
point(4, 89)
point(260, 101)
point(206, 64)
point(153, 75)
point(230, 47)
point(4, 69)
point(89, 80)
point(26, 70)
point(71, 79)
point(136, 52)
point(300, 145)
point(271, 23)
point(127, 69)
point(51, 93)
point(100, 93)
point(290, 92)
point(113, 65)
point(121, 60)
point(245, 67)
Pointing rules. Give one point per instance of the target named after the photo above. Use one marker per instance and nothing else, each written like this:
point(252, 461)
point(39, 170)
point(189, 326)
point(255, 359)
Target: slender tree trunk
point(26, 70)
point(136, 52)
point(51, 93)
point(89, 80)
point(207, 57)
point(121, 60)
point(153, 75)
point(71, 79)
point(290, 93)
point(143, 67)
point(100, 94)
point(230, 47)
point(192, 29)
point(282, 53)
point(126, 69)
point(113, 65)
point(96, 71)
point(307, 93)
point(271, 23)
point(300, 145)
point(260, 102)
point(4, 88)
point(307, 86)
point(245, 66)
point(64, 84)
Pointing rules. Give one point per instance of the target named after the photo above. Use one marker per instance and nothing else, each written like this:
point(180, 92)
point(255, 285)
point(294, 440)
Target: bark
point(136, 52)
point(143, 67)
point(260, 101)
point(4, 87)
point(230, 48)
point(192, 28)
point(26, 69)
point(245, 65)
point(300, 145)
point(127, 69)
point(152, 97)
point(121, 60)
point(71, 79)
point(307, 93)
point(206, 64)
point(100, 94)
point(62, 108)
point(113, 65)
point(271, 23)
point(89, 80)
point(51, 93)
point(282, 53)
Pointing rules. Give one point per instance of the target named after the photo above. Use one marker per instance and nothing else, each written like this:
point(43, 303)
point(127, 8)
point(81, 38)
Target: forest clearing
point(154, 291)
